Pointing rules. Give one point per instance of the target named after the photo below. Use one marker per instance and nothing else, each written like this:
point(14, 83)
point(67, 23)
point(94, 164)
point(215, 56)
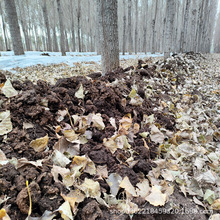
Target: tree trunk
point(170, 13)
point(23, 20)
point(62, 42)
point(153, 28)
point(72, 27)
point(78, 19)
point(109, 35)
point(55, 43)
point(98, 26)
point(124, 30)
point(4, 31)
point(14, 27)
point(46, 21)
point(145, 27)
point(129, 28)
point(136, 27)
point(67, 42)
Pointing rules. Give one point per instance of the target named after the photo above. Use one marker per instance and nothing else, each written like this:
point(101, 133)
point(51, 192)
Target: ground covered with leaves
point(142, 142)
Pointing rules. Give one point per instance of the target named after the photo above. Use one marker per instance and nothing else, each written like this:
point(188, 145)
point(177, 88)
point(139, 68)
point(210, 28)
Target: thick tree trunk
point(55, 43)
point(98, 26)
point(46, 21)
point(62, 42)
point(4, 29)
point(170, 13)
point(124, 30)
point(130, 43)
point(109, 35)
point(78, 19)
point(136, 27)
point(14, 27)
point(145, 27)
point(153, 28)
point(72, 27)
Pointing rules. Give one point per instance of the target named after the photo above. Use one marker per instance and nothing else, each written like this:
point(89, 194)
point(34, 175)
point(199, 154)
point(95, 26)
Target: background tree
point(109, 35)
point(170, 12)
point(62, 42)
point(46, 21)
point(4, 28)
point(14, 27)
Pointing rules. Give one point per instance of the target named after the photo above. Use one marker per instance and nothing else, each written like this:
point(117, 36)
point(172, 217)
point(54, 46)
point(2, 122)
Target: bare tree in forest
point(78, 19)
point(129, 28)
point(14, 27)
point(4, 28)
point(124, 29)
point(136, 27)
point(46, 21)
point(62, 42)
point(109, 35)
point(72, 26)
point(170, 13)
point(217, 36)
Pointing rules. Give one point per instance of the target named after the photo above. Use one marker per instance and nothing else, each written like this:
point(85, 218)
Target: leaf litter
point(140, 142)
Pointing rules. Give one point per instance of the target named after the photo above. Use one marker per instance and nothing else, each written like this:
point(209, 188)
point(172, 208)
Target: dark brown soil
point(102, 96)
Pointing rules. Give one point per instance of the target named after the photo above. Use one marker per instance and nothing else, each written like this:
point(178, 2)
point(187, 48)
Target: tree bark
point(72, 27)
point(14, 27)
point(129, 28)
point(109, 35)
point(4, 31)
point(62, 42)
point(46, 21)
point(124, 30)
point(170, 13)
point(136, 27)
point(78, 19)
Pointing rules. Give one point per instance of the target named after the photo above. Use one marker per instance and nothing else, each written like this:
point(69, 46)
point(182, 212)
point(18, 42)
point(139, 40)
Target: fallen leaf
point(67, 178)
point(24, 161)
point(102, 171)
point(215, 217)
point(70, 135)
point(60, 159)
point(126, 121)
point(110, 144)
point(143, 188)
point(48, 215)
point(156, 197)
point(5, 123)
point(216, 204)
point(80, 93)
point(65, 211)
point(113, 181)
point(91, 188)
point(39, 144)
point(127, 207)
point(82, 164)
point(156, 135)
point(76, 193)
point(98, 121)
point(66, 147)
point(8, 90)
point(209, 196)
point(71, 200)
point(126, 184)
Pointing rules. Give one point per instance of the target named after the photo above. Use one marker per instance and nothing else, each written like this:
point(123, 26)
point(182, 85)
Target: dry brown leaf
point(156, 197)
point(126, 184)
point(39, 144)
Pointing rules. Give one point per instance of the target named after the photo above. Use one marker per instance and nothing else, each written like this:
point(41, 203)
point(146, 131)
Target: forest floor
point(142, 142)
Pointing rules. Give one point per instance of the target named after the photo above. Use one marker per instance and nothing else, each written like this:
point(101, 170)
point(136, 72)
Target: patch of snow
point(9, 61)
